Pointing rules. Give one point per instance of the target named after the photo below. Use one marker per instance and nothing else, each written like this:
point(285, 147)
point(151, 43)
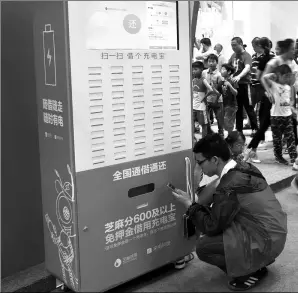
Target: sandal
point(248, 282)
point(189, 257)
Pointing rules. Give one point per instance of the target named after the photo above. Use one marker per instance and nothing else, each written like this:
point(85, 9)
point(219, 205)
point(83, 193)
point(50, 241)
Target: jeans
point(229, 118)
point(211, 250)
point(264, 123)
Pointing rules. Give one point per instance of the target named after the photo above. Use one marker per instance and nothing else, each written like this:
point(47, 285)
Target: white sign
point(122, 231)
point(140, 170)
point(135, 25)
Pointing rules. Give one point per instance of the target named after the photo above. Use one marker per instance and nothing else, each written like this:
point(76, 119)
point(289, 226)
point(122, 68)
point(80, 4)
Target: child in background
point(280, 92)
point(214, 100)
point(200, 87)
point(228, 89)
point(236, 141)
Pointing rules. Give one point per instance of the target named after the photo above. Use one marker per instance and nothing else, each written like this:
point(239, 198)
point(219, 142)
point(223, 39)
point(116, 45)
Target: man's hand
point(236, 79)
point(182, 197)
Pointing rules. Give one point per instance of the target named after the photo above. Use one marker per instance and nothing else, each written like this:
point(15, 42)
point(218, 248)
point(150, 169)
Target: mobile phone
point(171, 186)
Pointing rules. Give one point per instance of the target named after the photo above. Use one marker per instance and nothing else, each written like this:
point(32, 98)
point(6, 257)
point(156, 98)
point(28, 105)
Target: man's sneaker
point(254, 157)
point(281, 160)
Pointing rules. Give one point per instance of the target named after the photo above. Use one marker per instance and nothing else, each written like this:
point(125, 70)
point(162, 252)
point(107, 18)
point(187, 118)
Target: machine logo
point(132, 24)
point(117, 263)
point(49, 55)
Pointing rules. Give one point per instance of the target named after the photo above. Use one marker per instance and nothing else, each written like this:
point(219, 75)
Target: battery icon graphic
point(49, 56)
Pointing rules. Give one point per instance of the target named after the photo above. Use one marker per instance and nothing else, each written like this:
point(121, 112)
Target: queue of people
point(263, 86)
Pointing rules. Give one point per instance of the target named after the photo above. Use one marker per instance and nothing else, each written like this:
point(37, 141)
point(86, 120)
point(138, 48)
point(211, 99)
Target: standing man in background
point(221, 58)
point(241, 60)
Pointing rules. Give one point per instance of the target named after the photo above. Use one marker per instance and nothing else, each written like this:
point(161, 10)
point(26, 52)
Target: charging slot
point(140, 190)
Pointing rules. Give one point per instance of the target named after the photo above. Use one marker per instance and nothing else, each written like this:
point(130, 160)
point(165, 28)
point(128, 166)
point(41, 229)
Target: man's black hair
point(229, 68)
point(238, 40)
point(206, 41)
point(213, 145)
point(212, 57)
point(198, 64)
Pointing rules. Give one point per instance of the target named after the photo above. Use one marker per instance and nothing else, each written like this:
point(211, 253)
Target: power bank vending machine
point(115, 126)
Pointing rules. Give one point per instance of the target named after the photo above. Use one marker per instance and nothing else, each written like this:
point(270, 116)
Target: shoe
point(282, 161)
point(254, 157)
point(286, 151)
point(248, 282)
point(246, 155)
point(189, 257)
point(180, 264)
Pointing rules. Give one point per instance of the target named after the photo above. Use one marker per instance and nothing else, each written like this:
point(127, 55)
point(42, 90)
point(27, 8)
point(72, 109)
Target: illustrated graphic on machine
point(125, 86)
point(63, 237)
point(49, 56)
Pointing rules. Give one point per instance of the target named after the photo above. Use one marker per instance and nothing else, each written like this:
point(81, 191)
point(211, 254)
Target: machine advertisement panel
point(55, 140)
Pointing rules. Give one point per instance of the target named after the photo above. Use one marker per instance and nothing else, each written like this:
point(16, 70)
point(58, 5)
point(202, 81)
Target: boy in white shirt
point(280, 93)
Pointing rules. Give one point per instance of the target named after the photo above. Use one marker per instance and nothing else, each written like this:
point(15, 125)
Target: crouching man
point(245, 228)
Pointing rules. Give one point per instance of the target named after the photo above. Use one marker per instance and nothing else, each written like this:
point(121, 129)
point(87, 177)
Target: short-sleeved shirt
point(263, 60)
point(228, 98)
point(282, 100)
point(214, 78)
point(239, 61)
point(199, 92)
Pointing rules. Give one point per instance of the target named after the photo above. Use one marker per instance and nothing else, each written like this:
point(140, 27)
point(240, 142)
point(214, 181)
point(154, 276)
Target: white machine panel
point(130, 74)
